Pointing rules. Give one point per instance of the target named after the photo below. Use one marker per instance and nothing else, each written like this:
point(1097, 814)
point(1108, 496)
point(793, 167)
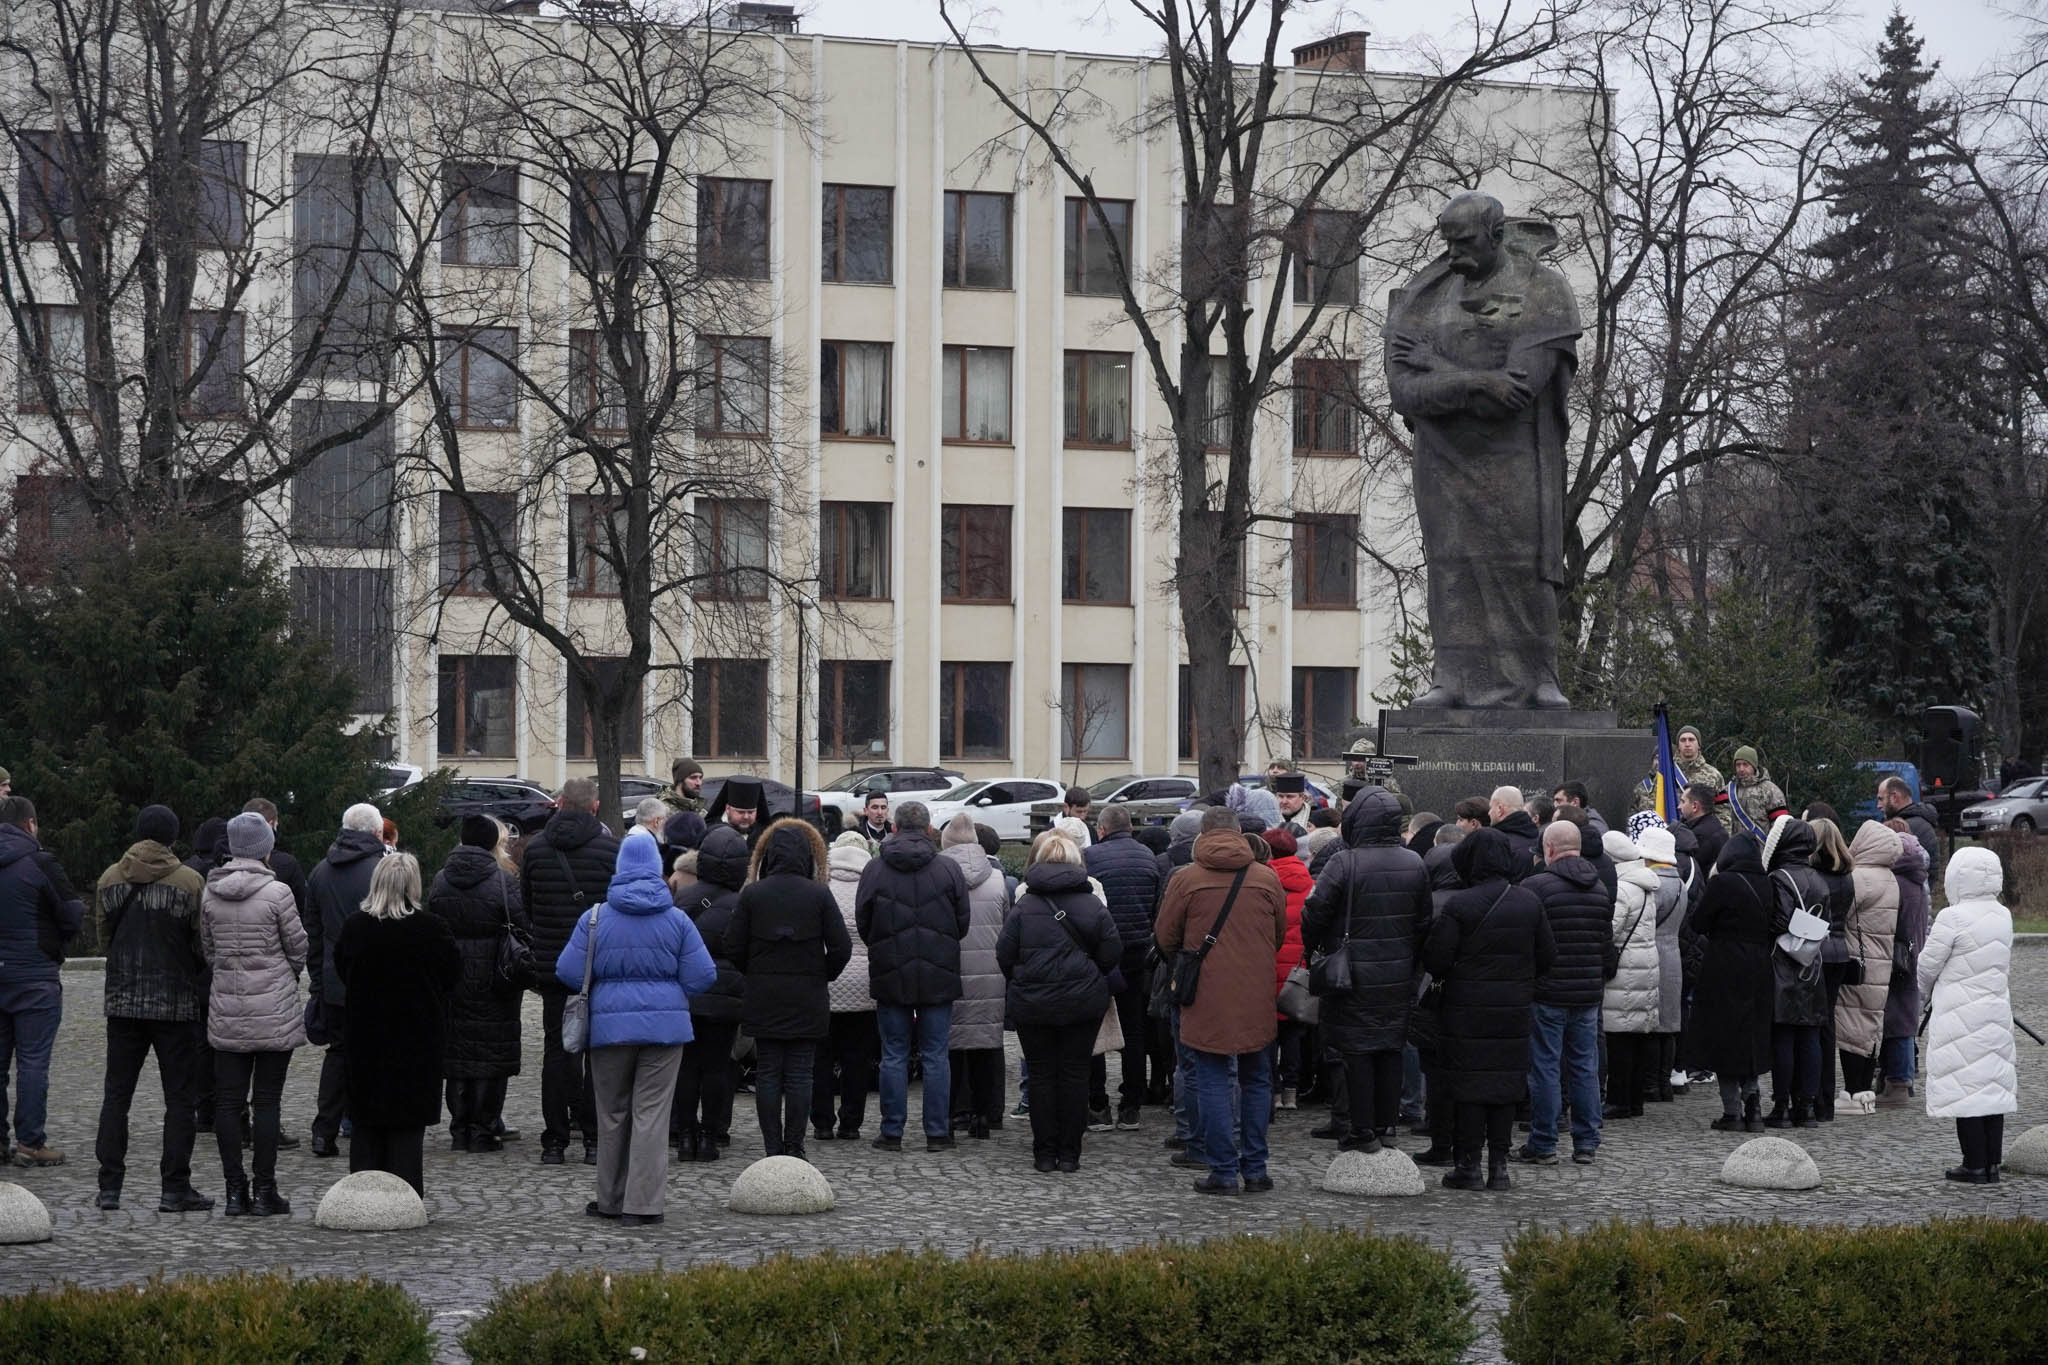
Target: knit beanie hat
point(1692, 730)
point(1281, 840)
point(852, 838)
point(1186, 825)
point(159, 823)
point(1745, 754)
point(1771, 840)
point(1642, 820)
point(959, 830)
point(250, 836)
point(1620, 847)
point(480, 831)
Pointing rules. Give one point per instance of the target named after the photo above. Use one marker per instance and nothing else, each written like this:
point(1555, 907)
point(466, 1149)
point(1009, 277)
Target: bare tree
point(1270, 173)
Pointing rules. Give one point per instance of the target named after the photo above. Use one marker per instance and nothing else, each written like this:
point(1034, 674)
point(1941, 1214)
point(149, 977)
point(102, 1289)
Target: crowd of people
point(1522, 958)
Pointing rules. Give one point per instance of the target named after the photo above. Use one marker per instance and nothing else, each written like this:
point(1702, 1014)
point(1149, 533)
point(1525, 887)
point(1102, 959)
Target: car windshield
point(1107, 786)
point(393, 777)
point(962, 792)
point(848, 782)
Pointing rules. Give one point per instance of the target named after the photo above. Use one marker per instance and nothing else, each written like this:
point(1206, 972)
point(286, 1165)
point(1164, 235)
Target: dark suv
point(519, 803)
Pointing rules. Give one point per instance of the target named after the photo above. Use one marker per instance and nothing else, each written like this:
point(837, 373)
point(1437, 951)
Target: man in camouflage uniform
point(686, 785)
point(1693, 770)
point(1361, 749)
point(1762, 800)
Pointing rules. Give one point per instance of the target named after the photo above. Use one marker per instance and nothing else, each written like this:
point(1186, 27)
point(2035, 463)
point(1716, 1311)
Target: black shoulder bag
point(514, 965)
point(1187, 966)
point(1330, 974)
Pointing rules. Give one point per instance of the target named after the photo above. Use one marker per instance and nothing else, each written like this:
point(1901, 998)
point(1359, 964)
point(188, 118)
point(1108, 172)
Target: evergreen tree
point(1897, 410)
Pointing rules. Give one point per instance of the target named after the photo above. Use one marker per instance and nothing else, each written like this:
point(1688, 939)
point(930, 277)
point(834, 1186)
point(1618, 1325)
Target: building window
point(1326, 257)
point(582, 725)
point(1098, 555)
point(1095, 711)
point(977, 393)
point(1190, 736)
point(853, 708)
point(732, 548)
point(1216, 415)
point(223, 196)
point(977, 243)
point(853, 550)
point(604, 217)
point(597, 537)
point(58, 354)
point(1239, 597)
point(477, 380)
point(1098, 389)
point(732, 386)
point(1215, 251)
point(53, 528)
point(476, 707)
point(480, 215)
point(729, 708)
point(1090, 267)
point(974, 553)
point(213, 365)
point(344, 272)
point(1326, 562)
point(858, 234)
point(43, 183)
point(351, 610)
point(974, 710)
point(595, 394)
point(1325, 701)
point(342, 496)
point(476, 528)
point(732, 228)
point(853, 388)
point(1324, 399)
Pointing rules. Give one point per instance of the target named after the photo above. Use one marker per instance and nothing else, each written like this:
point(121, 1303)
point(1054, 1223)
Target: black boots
point(1803, 1115)
point(1727, 1123)
point(1752, 1115)
point(1497, 1171)
point(1777, 1117)
point(687, 1145)
point(237, 1204)
point(1969, 1175)
point(1465, 1174)
point(268, 1201)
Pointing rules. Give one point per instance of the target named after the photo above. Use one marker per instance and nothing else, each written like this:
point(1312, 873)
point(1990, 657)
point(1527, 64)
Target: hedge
point(1311, 1295)
point(1963, 1289)
point(238, 1318)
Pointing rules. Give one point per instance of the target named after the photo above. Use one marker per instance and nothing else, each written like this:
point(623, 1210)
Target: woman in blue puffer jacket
point(646, 960)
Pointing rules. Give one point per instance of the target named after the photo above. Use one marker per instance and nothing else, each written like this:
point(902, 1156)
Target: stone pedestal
point(1470, 752)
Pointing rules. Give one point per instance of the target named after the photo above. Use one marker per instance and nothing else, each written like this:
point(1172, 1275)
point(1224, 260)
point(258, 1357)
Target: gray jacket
point(256, 945)
point(978, 1013)
point(1671, 905)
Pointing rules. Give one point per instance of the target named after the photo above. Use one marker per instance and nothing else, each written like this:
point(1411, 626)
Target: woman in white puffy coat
point(1966, 967)
point(1629, 1011)
point(846, 1055)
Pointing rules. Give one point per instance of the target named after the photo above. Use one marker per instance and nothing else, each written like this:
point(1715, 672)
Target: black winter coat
point(911, 909)
point(399, 973)
point(1129, 873)
point(721, 871)
point(1488, 947)
point(1177, 856)
point(1444, 881)
point(1922, 824)
point(1525, 839)
point(39, 910)
point(474, 897)
point(1800, 995)
point(1052, 979)
point(1580, 911)
point(1732, 1007)
point(337, 888)
point(788, 939)
point(1372, 901)
point(1712, 839)
point(556, 897)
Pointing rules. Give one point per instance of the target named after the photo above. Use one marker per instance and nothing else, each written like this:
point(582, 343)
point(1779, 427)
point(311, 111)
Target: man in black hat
point(1290, 789)
point(742, 803)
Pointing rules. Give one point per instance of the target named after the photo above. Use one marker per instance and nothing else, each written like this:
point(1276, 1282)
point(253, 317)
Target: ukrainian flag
point(1664, 782)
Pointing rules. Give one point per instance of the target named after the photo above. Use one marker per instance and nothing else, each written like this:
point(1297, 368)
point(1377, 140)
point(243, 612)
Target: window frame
point(27, 395)
point(587, 376)
point(1308, 269)
point(704, 667)
point(953, 224)
point(949, 355)
point(953, 689)
point(462, 664)
point(1080, 224)
point(1305, 554)
point(711, 540)
point(592, 193)
point(223, 172)
point(1184, 726)
point(587, 579)
point(1320, 380)
point(378, 444)
point(1074, 553)
point(962, 513)
point(1300, 734)
point(1079, 406)
point(832, 684)
point(1067, 719)
point(462, 579)
point(832, 230)
point(462, 406)
point(833, 570)
point(714, 256)
point(716, 383)
point(36, 174)
point(840, 433)
point(228, 353)
point(576, 707)
point(456, 229)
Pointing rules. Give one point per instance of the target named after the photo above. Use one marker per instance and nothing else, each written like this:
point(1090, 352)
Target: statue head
point(1472, 226)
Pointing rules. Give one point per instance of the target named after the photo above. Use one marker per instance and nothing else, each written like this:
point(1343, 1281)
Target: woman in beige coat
point(1873, 919)
point(256, 946)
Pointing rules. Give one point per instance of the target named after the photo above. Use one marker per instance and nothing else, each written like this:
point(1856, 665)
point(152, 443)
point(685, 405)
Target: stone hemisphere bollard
point(1770, 1163)
point(371, 1201)
point(22, 1216)
point(2028, 1154)
point(1383, 1174)
point(780, 1185)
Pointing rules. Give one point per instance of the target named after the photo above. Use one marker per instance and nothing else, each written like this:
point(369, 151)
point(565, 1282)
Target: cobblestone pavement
point(502, 1217)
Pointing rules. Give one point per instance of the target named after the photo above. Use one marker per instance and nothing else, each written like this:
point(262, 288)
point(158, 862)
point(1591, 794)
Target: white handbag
point(1802, 937)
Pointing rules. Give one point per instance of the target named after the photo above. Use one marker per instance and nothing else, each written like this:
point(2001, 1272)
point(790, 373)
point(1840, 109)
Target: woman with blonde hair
point(399, 967)
point(1056, 951)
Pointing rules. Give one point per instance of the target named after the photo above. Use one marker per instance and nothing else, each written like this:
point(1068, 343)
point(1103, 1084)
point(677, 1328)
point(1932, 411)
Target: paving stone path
point(502, 1217)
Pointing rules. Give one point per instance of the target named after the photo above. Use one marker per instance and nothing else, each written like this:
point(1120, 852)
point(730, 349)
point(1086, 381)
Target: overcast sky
point(1964, 35)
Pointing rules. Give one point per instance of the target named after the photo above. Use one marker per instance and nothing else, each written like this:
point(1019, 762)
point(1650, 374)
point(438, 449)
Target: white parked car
point(1003, 804)
point(393, 777)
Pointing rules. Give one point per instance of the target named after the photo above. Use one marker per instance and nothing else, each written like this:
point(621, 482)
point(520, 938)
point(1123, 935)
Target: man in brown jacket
point(1231, 1022)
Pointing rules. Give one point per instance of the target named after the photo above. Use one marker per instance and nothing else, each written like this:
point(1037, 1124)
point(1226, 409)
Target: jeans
point(397, 1150)
point(129, 1042)
point(1734, 1090)
point(933, 1023)
point(849, 1050)
point(565, 1094)
point(29, 1014)
point(235, 1076)
point(1059, 1054)
point(1564, 1042)
point(1372, 1084)
point(1242, 1152)
point(703, 1102)
point(1795, 1069)
point(782, 1091)
point(1187, 1104)
point(1130, 1004)
point(1897, 1059)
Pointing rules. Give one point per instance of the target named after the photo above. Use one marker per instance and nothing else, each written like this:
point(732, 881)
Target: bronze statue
point(1480, 350)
